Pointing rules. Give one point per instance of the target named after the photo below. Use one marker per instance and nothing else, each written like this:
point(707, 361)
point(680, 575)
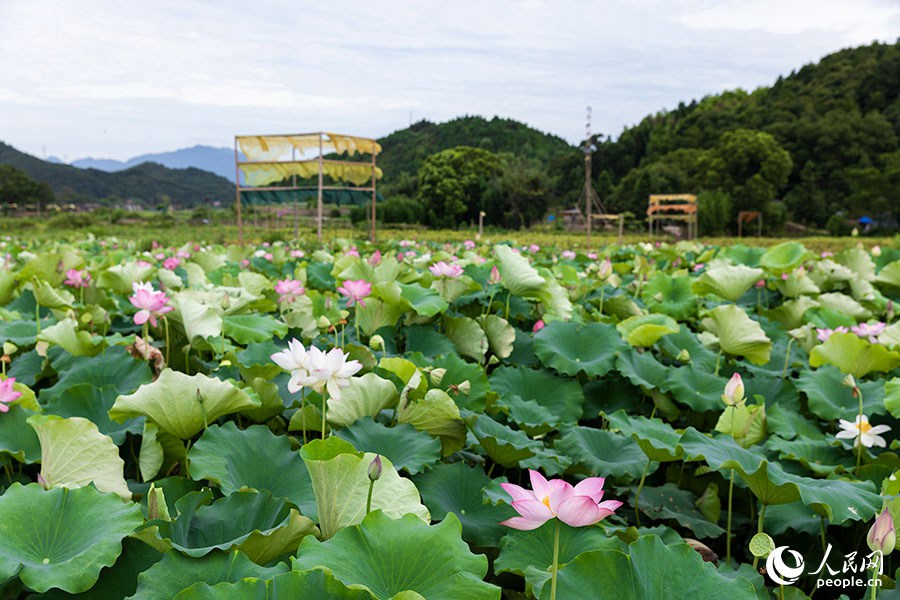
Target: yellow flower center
point(546, 501)
point(864, 427)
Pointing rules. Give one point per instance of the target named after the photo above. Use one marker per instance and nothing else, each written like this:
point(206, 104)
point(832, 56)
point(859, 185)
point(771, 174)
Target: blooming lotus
point(578, 505)
point(355, 290)
point(331, 371)
point(469, 244)
point(77, 279)
point(822, 334)
point(7, 394)
point(863, 432)
point(869, 331)
point(151, 303)
point(295, 359)
point(375, 259)
point(568, 254)
point(288, 290)
point(171, 263)
point(442, 269)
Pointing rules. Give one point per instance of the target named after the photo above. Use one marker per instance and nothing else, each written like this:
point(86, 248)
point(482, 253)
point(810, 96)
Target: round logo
point(779, 572)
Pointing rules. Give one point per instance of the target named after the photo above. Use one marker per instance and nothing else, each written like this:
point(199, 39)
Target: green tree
point(16, 187)
point(452, 184)
point(517, 196)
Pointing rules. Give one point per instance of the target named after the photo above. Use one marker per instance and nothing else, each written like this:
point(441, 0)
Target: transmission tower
point(592, 201)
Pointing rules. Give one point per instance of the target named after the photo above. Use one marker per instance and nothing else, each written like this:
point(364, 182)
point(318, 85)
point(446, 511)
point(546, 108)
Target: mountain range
point(215, 160)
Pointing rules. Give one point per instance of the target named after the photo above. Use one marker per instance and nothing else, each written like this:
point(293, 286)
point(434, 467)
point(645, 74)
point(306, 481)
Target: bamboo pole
point(237, 187)
point(319, 234)
point(373, 194)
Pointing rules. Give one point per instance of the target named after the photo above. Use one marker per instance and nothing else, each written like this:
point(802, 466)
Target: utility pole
point(587, 174)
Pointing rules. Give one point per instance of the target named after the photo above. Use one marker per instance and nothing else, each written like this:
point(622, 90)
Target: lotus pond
point(447, 421)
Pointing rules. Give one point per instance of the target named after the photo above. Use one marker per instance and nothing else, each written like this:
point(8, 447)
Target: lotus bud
point(848, 381)
point(876, 252)
point(465, 387)
point(734, 391)
point(323, 322)
point(374, 472)
point(156, 504)
point(376, 342)
point(890, 311)
point(658, 297)
point(605, 269)
point(538, 326)
point(226, 302)
point(9, 348)
point(345, 314)
point(493, 360)
point(225, 363)
point(42, 482)
point(494, 278)
point(437, 375)
point(882, 536)
point(684, 356)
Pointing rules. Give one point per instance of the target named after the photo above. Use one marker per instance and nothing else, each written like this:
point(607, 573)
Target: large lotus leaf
point(8, 282)
point(287, 586)
point(119, 278)
point(340, 480)
point(653, 571)
point(738, 334)
point(377, 314)
point(697, 388)
point(16, 438)
point(686, 345)
point(530, 553)
point(728, 281)
point(892, 396)
point(784, 257)
point(459, 489)
point(93, 403)
point(669, 502)
point(457, 371)
point(254, 459)
point(670, 295)
point(257, 524)
point(830, 400)
point(74, 454)
point(854, 355)
point(797, 284)
point(890, 275)
point(645, 330)
point(61, 538)
point(570, 348)
point(791, 313)
point(845, 305)
point(65, 334)
point(424, 302)
point(859, 261)
point(181, 404)
point(20, 333)
point(600, 453)
point(561, 399)
point(177, 572)
point(200, 321)
point(838, 500)
point(366, 396)
point(437, 414)
point(517, 274)
point(643, 370)
point(113, 367)
point(467, 336)
point(431, 560)
point(819, 456)
point(746, 423)
point(48, 296)
point(500, 334)
point(245, 329)
point(425, 340)
point(506, 447)
point(657, 439)
point(404, 445)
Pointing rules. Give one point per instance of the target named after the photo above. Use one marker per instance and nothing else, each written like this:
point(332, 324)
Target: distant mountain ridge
point(215, 160)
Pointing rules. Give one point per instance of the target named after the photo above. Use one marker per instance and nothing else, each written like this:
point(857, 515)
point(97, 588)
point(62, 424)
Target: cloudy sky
point(116, 79)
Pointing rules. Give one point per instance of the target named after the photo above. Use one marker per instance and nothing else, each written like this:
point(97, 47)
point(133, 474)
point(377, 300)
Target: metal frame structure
point(591, 199)
point(319, 160)
point(674, 207)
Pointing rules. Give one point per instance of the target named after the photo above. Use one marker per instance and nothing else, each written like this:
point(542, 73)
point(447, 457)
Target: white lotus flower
point(863, 432)
point(296, 360)
point(331, 371)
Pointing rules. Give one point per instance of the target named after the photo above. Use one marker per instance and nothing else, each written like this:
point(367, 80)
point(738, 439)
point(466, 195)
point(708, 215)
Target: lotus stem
point(874, 578)
point(81, 295)
point(822, 533)
point(728, 526)
point(759, 529)
point(718, 359)
point(37, 315)
point(637, 495)
point(859, 444)
point(369, 497)
point(166, 357)
point(555, 567)
point(303, 411)
point(602, 297)
point(787, 358)
point(324, 407)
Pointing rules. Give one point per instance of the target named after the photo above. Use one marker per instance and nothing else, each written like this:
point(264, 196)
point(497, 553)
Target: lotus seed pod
point(376, 342)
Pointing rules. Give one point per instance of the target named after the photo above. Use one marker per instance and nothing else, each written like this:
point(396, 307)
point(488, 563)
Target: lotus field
point(447, 421)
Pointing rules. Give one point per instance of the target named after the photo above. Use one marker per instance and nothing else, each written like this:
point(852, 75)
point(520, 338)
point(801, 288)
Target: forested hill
point(838, 121)
point(147, 183)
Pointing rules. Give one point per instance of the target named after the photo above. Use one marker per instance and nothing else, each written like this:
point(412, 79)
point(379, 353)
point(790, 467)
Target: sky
point(114, 79)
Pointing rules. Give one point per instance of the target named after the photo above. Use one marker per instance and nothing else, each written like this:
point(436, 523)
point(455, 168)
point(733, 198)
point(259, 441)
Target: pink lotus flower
point(605, 269)
point(183, 254)
point(698, 267)
point(442, 269)
point(268, 256)
point(77, 279)
point(288, 290)
point(7, 394)
point(538, 326)
point(159, 256)
point(870, 331)
point(494, 276)
point(352, 252)
point(469, 245)
point(151, 303)
point(578, 506)
point(734, 390)
point(761, 284)
point(143, 263)
point(355, 290)
point(534, 248)
point(827, 254)
point(822, 334)
point(568, 254)
point(297, 253)
point(171, 263)
point(375, 259)
point(592, 255)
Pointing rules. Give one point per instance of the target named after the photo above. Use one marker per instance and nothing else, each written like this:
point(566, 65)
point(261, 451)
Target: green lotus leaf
point(113, 367)
point(890, 337)
point(697, 388)
point(657, 439)
point(180, 404)
point(643, 370)
point(746, 423)
point(377, 314)
point(457, 371)
point(245, 329)
point(783, 257)
point(437, 414)
point(651, 570)
point(859, 261)
point(645, 330)
point(177, 572)
point(152, 453)
point(405, 446)
point(424, 302)
point(819, 456)
point(200, 321)
point(600, 453)
point(75, 454)
point(467, 336)
point(570, 348)
point(785, 422)
point(20, 333)
point(459, 489)
point(252, 459)
point(892, 396)
point(256, 523)
point(738, 334)
point(530, 553)
point(838, 500)
point(287, 586)
point(845, 305)
point(65, 334)
point(17, 439)
point(451, 288)
point(506, 447)
point(557, 400)
point(890, 275)
point(517, 274)
point(340, 480)
point(687, 345)
point(729, 281)
point(119, 278)
point(500, 334)
point(431, 560)
point(670, 295)
point(8, 283)
point(93, 403)
point(365, 397)
point(669, 502)
point(795, 516)
point(48, 296)
point(854, 355)
point(61, 538)
point(791, 313)
point(830, 400)
point(425, 340)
